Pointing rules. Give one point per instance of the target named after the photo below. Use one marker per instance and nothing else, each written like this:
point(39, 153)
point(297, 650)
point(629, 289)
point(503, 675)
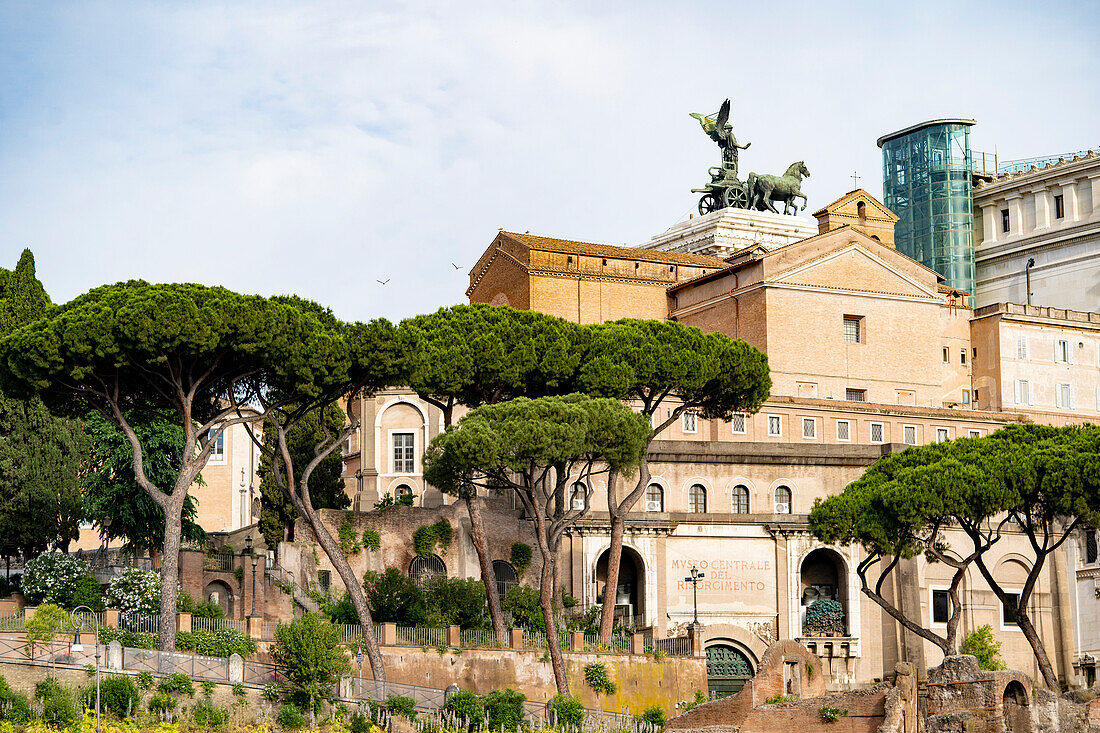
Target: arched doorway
point(423, 568)
point(505, 575)
point(630, 595)
point(728, 669)
point(219, 593)
point(822, 578)
point(1016, 711)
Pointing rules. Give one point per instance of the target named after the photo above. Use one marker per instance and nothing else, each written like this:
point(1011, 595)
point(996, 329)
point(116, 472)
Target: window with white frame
point(782, 500)
point(739, 421)
point(654, 498)
point(404, 452)
point(1063, 396)
point(966, 396)
point(946, 355)
point(843, 430)
point(878, 432)
point(690, 420)
point(809, 427)
point(775, 425)
point(1023, 392)
point(973, 433)
point(580, 496)
point(697, 499)
point(909, 434)
point(217, 447)
point(1021, 347)
point(740, 500)
point(962, 356)
point(1062, 352)
point(941, 605)
point(942, 435)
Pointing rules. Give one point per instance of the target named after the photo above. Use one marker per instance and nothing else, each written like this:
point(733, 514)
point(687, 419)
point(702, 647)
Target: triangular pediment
point(859, 269)
point(848, 206)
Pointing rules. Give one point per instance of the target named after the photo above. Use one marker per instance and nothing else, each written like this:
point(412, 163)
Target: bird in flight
point(383, 282)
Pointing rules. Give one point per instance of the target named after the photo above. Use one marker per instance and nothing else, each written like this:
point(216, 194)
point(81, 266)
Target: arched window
point(579, 497)
point(697, 499)
point(423, 568)
point(861, 210)
point(740, 500)
point(782, 500)
point(403, 495)
point(505, 575)
point(654, 498)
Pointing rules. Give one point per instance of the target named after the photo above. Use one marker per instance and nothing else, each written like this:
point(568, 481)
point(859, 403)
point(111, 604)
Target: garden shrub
point(135, 591)
point(132, 639)
point(401, 705)
point(456, 602)
point(290, 716)
point(430, 536)
point(348, 538)
point(88, 593)
point(569, 712)
point(144, 680)
point(53, 578)
point(206, 714)
point(271, 692)
point(239, 690)
point(161, 702)
point(596, 677)
point(984, 647)
point(360, 723)
point(221, 643)
point(207, 687)
point(49, 620)
point(654, 715)
point(504, 709)
point(522, 601)
point(13, 706)
point(59, 705)
point(466, 707)
point(393, 596)
point(118, 695)
point(177, 683)
point(372, 540)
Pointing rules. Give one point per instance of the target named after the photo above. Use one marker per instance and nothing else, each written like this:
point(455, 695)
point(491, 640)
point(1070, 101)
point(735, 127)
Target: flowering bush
point(53, 578)
point(135, 591)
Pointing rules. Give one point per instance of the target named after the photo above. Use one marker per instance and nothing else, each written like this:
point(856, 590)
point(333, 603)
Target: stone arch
point(401, 400)
point(823, 575)
point(505, 575)
point(630, 595)
point(754, 500)
point(219, 592)
point(729, 667)
point(1015, 707)
point(423, 568)
point(772, 495)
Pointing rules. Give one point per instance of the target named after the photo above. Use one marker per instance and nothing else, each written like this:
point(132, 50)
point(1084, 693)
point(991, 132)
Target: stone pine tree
point(471, 355)
point(351, 360)
point(178, 351)
point(1050, 478)
point(537, 449)
point(665, 369)
point(40, 454)
point(114, 501)
point(910, 504)
point(326, 487)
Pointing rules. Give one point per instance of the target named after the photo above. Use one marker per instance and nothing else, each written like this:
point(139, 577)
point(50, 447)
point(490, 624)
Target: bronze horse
point(764, 188)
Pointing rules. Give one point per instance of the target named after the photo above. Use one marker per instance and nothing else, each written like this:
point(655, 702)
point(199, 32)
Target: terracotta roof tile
point(606, 250)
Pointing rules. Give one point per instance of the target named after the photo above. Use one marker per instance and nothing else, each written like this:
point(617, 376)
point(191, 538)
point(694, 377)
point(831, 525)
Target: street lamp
point(694, 579)
point(78, 647)
point(255, 561)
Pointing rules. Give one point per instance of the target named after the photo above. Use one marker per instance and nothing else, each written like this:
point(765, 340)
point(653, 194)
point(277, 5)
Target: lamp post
point(255, 561)
point(694, 579)
point(78, 647)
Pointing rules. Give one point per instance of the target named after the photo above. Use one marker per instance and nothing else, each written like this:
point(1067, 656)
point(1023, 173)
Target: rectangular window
point(877, 433)
point(324, 579)
point(1062, 353)
point(1008, 609)
point(962, 356)
point(809, 427)
point(946, 355)
point(942, 435)
point(909, 434)
point(853, 329)
point(855, 395)
point(941, 606)
point(1021, 347)
point(775, 425)
point(217, 449)
point(689, 420)
point(843, 430)
point(1090, 546)
point(966, 397)
point(975, 399)
point(1063, 396)
point(1004, 220)
point(973, 433)
point(739, 423)
point(1023, 392)
point(404, 452)
point(1059, 206)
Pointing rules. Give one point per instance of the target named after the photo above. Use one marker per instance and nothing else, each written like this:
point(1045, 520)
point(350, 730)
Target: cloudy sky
point(317, 147)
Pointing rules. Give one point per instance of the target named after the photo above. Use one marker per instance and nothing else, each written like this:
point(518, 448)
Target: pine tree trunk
point(546, 601)
point(169, 570)
point(614, 559)
point(1049, 677)
point(488, 577)
point(352, 584)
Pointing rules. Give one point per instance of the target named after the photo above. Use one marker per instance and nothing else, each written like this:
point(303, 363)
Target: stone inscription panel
point(739, 574)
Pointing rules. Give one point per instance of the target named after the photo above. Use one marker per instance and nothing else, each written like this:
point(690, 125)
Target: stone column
point(1094, 185)
point(255, 627)
point(991, 223)
point(697, 649)
point(236, 668)
point(1042, 208)
point(183, 622)
point(389, 634)
point(1069, 199)
point(516, 640)
point(110, 618)
point(1015, 216)
point(637, 643)
point(576, 641)
point(454, 636)
point(114, 656)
